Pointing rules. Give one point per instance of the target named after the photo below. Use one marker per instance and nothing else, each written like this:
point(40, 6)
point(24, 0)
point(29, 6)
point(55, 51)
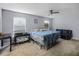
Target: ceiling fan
point(53, 12)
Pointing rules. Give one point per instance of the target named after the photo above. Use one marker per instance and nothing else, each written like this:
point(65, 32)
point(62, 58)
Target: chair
point(65, 34)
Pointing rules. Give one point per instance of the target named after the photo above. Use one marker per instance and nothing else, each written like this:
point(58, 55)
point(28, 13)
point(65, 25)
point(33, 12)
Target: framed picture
point(35, 21)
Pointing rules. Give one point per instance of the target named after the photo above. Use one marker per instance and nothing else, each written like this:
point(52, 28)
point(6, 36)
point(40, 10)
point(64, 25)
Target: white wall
point(7, 21)
point(0, 20)
point(68, 18)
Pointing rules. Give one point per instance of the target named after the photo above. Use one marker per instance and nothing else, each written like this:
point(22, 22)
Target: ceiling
point(41, 9)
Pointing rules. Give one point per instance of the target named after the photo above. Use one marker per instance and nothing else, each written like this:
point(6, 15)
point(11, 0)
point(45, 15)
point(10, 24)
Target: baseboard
point(75, 38)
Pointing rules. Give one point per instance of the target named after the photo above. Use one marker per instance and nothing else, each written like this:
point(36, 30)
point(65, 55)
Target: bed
point(45, 38)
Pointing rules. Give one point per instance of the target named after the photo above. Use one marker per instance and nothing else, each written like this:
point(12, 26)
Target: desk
point(6, 36)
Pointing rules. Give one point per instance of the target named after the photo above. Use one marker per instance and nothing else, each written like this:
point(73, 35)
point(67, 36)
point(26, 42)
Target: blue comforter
point(43, 33)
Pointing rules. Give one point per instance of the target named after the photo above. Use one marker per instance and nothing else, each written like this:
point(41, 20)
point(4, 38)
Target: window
point(19, 24)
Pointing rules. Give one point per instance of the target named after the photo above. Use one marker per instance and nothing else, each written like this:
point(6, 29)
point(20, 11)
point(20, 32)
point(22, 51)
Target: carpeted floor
point(63, 48)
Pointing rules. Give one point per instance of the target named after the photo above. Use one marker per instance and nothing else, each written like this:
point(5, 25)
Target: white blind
point(19, 24)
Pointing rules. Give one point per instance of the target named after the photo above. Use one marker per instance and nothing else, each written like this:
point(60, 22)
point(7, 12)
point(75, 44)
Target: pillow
point(36, 30)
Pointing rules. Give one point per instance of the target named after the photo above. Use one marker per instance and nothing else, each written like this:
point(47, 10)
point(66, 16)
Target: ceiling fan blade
point(55, 12)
